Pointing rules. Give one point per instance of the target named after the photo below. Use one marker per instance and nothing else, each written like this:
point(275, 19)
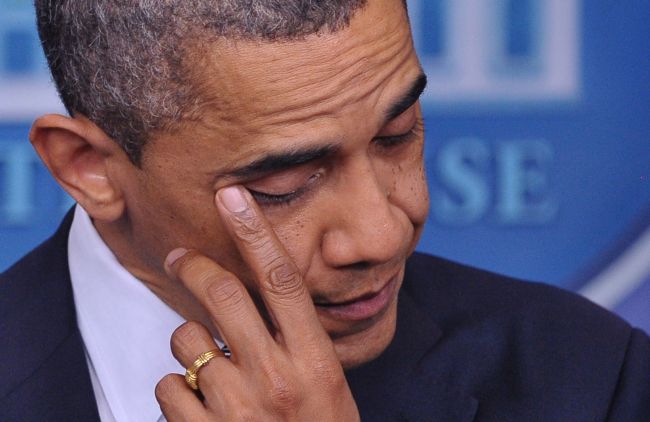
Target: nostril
point(359, 266)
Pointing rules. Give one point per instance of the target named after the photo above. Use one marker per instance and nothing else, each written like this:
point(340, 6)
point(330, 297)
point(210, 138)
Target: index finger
point(277, 276)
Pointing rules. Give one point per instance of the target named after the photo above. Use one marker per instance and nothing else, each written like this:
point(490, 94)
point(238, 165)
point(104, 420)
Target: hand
point(289, 373)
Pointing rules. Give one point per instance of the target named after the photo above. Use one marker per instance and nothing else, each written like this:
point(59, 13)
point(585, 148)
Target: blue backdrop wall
point(538, 155)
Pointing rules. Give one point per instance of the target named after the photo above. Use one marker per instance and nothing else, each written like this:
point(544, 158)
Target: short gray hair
point(119, 62)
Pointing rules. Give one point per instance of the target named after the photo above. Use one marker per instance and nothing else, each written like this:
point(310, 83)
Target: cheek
point(164, 216)
point(300, 236)
point(409, 190)
point(182, 215)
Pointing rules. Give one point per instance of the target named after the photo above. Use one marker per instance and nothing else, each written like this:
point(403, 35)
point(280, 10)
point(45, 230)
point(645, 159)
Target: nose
point(364, 227)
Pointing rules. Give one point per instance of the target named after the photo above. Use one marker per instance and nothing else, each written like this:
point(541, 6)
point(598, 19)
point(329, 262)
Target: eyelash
point(286, 199)
point(264, 199)
point(396, 140)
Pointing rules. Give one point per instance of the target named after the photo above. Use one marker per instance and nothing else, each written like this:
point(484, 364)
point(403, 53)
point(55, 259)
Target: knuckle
point(282, 394)
point(326, 374)
point(221, 289)
point(250, 231)
point(210, 276)
point(189, 266)
point(226, 294)
point(282, 389)
point(285, 401)
point(333, 382)
point(284, 278)
point(243, 414)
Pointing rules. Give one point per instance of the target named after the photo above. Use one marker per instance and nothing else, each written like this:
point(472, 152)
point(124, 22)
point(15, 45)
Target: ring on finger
point(192, 373)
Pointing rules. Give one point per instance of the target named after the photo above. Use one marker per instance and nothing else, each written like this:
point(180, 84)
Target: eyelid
point(281, 181)
point(266, 194)
point(397, 139)
point(265, 198)
point(400, 124)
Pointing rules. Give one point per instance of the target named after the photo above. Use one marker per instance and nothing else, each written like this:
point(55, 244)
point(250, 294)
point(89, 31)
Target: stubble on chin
point(360, 348)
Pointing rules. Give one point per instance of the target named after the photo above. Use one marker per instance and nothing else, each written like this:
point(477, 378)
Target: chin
point(359, 348)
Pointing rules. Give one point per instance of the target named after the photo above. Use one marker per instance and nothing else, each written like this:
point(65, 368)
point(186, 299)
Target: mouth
point(362, 307)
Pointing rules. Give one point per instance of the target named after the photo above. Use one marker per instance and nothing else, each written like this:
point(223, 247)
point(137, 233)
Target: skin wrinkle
point(235, 75)
point(331, 233)
point(297, 114)
point(143, 39)
point(356, 73)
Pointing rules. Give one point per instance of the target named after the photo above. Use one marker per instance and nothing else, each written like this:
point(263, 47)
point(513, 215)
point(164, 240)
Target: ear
point(78, 154)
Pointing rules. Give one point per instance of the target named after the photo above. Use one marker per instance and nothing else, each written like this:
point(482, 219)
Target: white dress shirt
point(125, 328)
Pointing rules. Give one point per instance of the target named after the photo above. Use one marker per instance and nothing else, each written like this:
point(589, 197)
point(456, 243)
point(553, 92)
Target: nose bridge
point(365, 226)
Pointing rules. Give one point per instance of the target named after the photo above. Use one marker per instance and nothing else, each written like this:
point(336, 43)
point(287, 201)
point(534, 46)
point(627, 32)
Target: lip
point(363, 307)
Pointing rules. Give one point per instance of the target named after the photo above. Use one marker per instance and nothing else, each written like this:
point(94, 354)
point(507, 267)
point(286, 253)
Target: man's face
point(327, 135)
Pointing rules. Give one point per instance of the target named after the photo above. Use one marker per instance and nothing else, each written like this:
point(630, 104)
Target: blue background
point(584, 159)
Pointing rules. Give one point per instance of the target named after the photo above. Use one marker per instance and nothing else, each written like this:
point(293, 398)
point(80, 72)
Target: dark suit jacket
point(470, 345)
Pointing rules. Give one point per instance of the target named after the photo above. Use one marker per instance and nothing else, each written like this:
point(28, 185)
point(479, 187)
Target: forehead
point(255, 93)
point(325, 65)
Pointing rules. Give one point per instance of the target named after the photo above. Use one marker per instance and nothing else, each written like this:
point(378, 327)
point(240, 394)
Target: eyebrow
point(408, 99)
point(275, 162)
point(278, 161)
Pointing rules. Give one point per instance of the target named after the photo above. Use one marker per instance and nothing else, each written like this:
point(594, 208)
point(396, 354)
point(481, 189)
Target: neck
point(143, 266)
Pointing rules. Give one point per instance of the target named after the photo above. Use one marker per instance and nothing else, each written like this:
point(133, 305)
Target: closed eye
point(270, 199)
point(393, 141)
point(264, 199)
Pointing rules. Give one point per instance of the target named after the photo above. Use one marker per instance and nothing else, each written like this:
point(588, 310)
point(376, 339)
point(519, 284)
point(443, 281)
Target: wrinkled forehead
point(241, 81)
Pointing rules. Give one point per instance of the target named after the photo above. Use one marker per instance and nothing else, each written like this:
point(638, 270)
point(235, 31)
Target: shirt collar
point(125, 327)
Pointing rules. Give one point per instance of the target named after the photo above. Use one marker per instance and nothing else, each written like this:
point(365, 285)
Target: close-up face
point(326, 133)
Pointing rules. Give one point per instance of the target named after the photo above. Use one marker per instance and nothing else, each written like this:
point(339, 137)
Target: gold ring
point(192, 373)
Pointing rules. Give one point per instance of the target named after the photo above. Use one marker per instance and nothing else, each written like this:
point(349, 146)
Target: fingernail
point(233, 199)
point(174, 255)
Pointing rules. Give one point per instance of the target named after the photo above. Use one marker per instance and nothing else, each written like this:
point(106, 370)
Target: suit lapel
point(401, 384)
point(52, 382)
point(60, 389)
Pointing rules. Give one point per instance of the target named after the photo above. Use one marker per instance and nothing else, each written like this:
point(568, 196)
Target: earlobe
point(78, 154)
